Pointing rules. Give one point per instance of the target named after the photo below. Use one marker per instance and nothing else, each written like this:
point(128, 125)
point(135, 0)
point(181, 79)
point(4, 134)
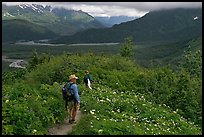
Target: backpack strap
point(69, 87)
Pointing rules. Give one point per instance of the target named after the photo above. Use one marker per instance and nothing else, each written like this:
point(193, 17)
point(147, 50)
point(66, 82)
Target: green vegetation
point(126, 49)
point(126, 98)
point(128, 113)
point(130, 99)
point(145, 54)
point(192, 62)
point(14, 30)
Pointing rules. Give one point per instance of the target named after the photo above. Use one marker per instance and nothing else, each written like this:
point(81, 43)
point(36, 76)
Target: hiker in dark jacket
point(74, 103)
point(87, 79)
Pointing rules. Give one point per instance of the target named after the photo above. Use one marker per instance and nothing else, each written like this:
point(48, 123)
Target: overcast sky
point(137, 9)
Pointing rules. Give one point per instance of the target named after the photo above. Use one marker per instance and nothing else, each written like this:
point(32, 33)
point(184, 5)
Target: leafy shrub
point(126, 49)
point(192, 62)
point(30, 111)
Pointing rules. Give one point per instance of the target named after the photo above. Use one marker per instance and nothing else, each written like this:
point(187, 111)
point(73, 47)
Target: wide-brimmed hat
point(72, 77)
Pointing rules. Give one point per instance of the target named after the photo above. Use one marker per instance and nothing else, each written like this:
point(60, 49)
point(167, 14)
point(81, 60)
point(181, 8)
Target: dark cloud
point(119, 8)
point(141, 6)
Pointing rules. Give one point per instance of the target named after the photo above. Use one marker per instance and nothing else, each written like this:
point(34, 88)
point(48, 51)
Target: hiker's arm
point(76, 95)
point(90, 77)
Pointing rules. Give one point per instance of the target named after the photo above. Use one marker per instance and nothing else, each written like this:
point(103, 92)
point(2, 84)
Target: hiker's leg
point(89, 87)
point(74, 112)
point(71, 106)
point(66, 104)
point(69, 110)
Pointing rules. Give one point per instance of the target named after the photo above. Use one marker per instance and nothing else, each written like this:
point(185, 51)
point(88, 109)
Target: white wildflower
point(112, 119)
point(108, 99)
point(102, 100)
point(34, 131)
point(100, 130)
point(91, 112)
point(7, 101)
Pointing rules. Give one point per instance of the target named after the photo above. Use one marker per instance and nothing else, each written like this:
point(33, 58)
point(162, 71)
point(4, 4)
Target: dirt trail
point(65, 127)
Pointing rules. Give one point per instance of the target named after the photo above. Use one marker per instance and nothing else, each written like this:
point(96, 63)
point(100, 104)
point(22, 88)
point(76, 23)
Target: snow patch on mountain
point(8, 14)
point(27, 5)
point(195, 18)
point(21, 6)
point(34, 7)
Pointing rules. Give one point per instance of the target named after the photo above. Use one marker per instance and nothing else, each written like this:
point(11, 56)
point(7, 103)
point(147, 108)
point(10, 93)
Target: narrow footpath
point(65, 127)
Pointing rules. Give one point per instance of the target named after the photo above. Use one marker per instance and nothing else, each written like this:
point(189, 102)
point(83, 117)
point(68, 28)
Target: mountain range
point(156, 26)
point(24, 22)
point(59, 20)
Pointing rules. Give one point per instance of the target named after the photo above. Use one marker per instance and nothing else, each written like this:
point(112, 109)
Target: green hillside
point(16, 29)
point(149, 55)
point(156, 26)
point(126, 99)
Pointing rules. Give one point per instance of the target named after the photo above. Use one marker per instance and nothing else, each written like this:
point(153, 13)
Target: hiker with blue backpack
point(71, 97)
point(87, 79)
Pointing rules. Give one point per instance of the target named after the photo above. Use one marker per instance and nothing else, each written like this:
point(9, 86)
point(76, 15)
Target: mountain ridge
point(165, 25)
point(18, 29)
point(71, 22)
point(110, 21)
